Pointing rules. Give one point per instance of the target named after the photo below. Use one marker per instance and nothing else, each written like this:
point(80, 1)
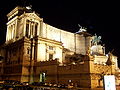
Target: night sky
point(98, 17)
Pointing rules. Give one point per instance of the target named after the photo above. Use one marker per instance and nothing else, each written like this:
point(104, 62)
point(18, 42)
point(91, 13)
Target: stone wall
point(78, 74)
point(48, 67)
point(72, 41)
point(100, 59)
point(75, 73)
point(43, 49)
point(98, 72)
point(85, 74)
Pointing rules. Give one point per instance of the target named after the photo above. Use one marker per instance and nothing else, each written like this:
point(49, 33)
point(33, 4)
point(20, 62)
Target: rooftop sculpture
point(96, 40)
point(81, 29)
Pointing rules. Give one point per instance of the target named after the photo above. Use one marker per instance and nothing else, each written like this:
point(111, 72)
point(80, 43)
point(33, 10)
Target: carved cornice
point(49, 41)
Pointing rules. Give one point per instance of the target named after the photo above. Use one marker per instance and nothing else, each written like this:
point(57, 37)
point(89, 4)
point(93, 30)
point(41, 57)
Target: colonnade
point(14, 30)
point(31, 29)
point(11, 32)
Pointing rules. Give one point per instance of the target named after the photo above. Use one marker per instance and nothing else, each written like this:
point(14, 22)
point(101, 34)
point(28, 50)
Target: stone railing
point(46, 63)
point(105, 69)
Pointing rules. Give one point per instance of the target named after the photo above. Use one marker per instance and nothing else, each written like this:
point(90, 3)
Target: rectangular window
point(28, 50)
point(50, 56)
point(32, 29)
point(50, 48)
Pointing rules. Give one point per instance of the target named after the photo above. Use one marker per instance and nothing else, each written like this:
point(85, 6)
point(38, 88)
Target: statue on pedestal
point(96, 40)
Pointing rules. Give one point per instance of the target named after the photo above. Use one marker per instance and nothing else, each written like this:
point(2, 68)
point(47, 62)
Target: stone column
point(41, 28)
point(31, 61)
point(75, 41)
point(13, 28)
point(33, 48)
point(29, 30)
point(14, 31)
point(38, 29)
point(10, 32)
point(14, 35)
point(24, 27)
point(16, 28)
point(34, 29)
point(7, 38)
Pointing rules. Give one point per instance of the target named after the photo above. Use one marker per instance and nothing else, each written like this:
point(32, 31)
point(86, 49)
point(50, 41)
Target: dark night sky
point(98, 17)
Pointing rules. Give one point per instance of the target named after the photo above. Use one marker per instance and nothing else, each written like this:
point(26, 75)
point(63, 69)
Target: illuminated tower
point(26, 44)
point(22, 22)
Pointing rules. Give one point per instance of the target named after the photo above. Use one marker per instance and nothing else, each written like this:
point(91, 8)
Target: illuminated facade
point(37, 52)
